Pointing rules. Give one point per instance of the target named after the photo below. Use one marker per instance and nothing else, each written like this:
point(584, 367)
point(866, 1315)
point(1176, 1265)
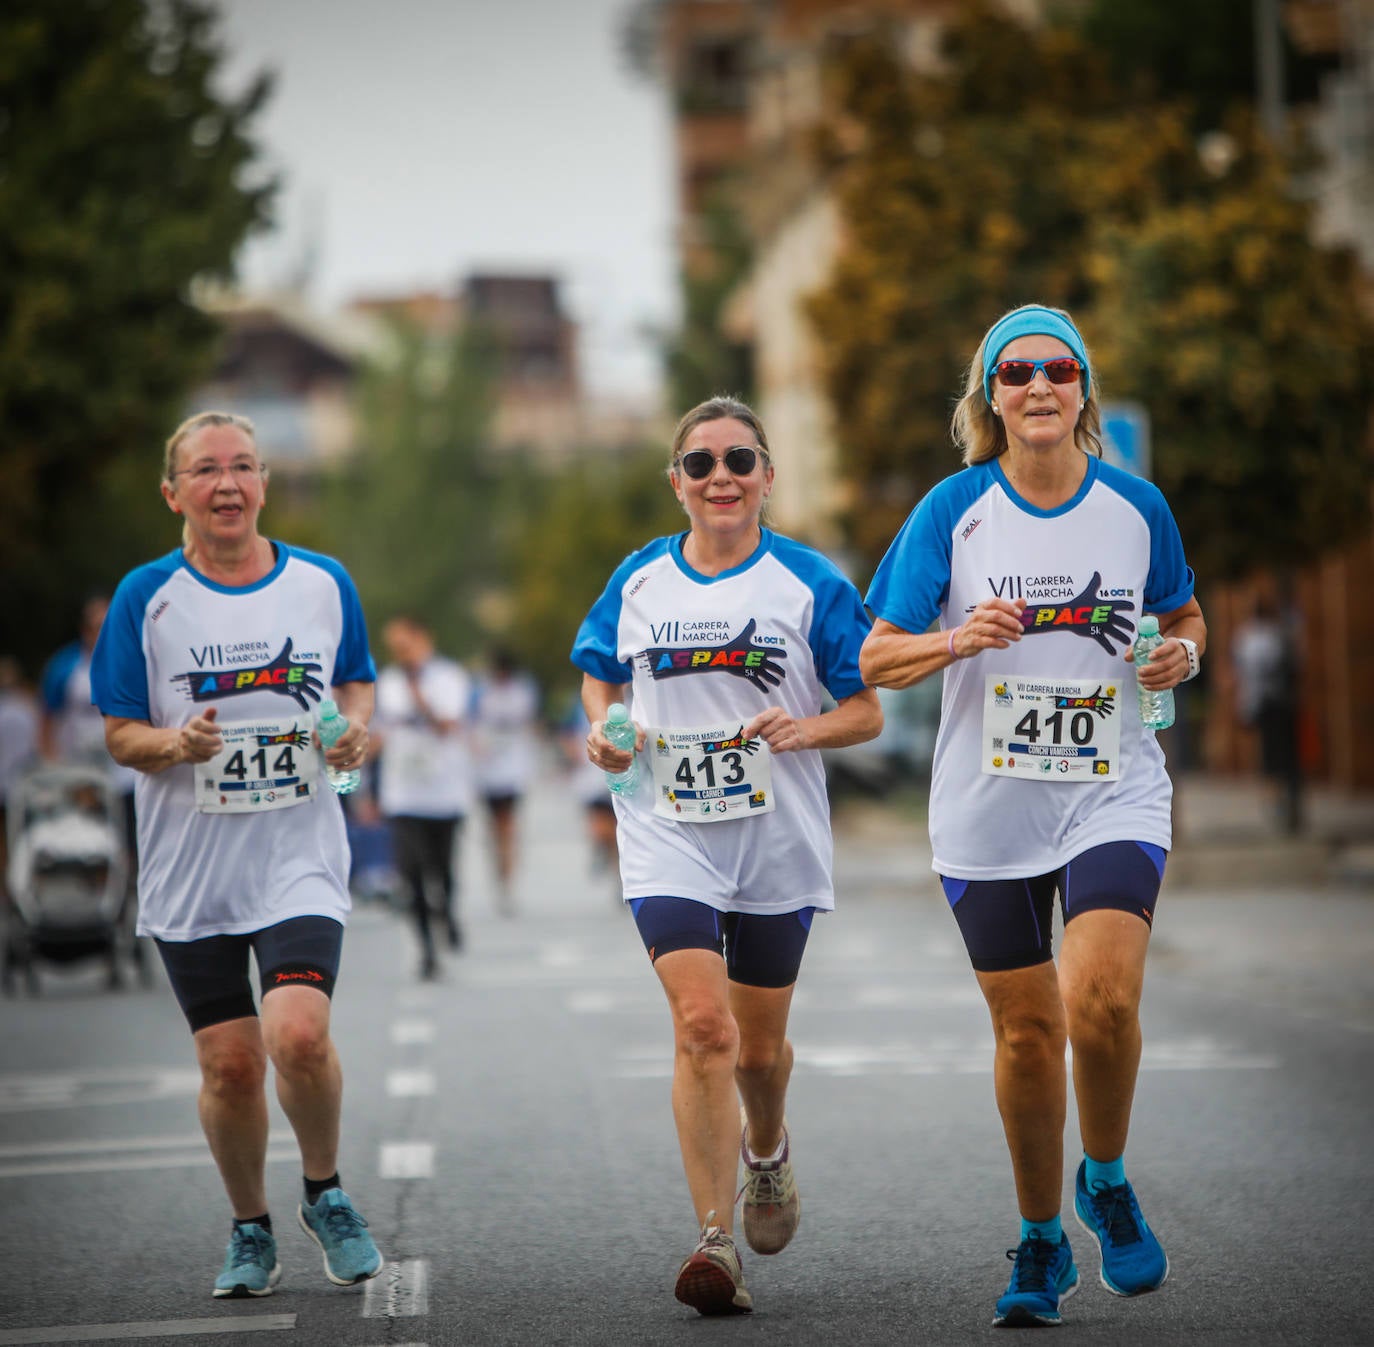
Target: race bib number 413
point(1048, 729)
point(263, 765)
point(710, 774)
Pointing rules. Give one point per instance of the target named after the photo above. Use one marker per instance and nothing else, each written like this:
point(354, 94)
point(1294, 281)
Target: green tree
point(1204, 53)
point(124, 177)
point(1017, 175)
point(702, 360)
point(571, 535)
point(1249, 347)
point(415, 514)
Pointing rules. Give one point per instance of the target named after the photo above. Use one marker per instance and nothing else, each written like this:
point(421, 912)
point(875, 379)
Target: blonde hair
point(198, 422)
point(979, 432)
point(189, 427)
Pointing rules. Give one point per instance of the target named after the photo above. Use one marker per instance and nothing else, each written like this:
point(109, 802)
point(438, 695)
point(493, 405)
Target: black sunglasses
point(701, 463)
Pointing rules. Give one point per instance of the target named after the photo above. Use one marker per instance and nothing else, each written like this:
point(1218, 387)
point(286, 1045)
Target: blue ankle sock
point(1050, 1230)
point(1110, 1172)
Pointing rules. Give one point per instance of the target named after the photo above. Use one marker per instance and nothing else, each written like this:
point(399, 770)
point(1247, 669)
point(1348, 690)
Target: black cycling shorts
point(1007, 923)
point(759, 951)
point(210, 979)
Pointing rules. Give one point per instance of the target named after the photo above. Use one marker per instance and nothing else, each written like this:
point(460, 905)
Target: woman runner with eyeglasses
point(208, 670)
point(728, 636)
point(1038, 561)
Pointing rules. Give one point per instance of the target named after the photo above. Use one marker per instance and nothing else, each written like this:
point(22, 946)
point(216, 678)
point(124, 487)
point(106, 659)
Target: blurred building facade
point(745, 79)
point(294, 370)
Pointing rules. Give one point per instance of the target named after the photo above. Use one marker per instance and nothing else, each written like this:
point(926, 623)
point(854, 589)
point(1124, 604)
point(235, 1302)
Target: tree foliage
point(124, 176)
point(572, 534)
point(1204, 53)
point(702, 359)
point(1018, 175)
point(416, 513)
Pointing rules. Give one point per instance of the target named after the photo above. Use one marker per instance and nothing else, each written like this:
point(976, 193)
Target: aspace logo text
point(281, 675)
point(743, 656)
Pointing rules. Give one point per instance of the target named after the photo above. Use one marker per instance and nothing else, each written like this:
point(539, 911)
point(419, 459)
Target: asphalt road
point(508, 1135)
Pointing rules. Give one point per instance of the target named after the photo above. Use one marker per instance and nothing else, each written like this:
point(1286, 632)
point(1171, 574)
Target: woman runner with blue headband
point(1038, 560)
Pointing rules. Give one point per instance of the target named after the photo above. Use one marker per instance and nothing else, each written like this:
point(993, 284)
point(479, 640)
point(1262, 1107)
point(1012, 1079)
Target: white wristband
point(1190, 649)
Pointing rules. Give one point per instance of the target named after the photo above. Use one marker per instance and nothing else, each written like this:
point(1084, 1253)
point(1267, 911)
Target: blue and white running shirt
point(176, 643)
point(1088, 570)
point(778, 630)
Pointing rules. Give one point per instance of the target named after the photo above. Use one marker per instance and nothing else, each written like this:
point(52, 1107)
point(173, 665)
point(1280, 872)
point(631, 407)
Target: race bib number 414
point(710, 774)
point(1048, 729)
point(263, 765)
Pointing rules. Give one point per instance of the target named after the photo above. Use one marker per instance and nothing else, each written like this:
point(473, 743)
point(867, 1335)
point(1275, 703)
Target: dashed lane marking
point(149, 1328)
point(406, 1160)
point(405, 1032)
point(409, 1084)
point(399, 1291)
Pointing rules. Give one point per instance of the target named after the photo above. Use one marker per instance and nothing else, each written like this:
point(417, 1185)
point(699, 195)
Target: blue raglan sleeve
point(596, 649)
point(838, 620)
point(353, 663)
point(119, 672)
point(1170, 581)
point(912, 580)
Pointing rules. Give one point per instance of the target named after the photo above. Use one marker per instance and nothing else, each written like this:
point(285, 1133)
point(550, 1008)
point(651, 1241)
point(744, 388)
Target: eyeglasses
point(741, 460)
point(1063, 369)
point(203, 474)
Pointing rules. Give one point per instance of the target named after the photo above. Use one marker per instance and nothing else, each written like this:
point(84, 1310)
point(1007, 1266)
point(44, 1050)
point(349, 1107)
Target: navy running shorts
point(210, 980)
point(1007, 923)
point(759, 951)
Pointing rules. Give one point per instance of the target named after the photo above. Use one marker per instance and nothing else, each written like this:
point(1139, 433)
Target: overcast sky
point(419, 140)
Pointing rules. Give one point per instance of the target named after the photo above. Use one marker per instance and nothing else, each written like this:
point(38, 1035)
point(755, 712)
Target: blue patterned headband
point(1031, 320)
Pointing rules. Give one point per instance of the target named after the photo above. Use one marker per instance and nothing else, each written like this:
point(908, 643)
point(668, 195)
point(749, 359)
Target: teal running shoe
point(250, 1264)
point(1043, 1277)
point(332, 1222)
point(1133, 1260)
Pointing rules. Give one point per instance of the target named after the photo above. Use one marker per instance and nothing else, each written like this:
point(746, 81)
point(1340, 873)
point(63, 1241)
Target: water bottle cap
point(617, 714)
point(328, 708)
point(1149, 625)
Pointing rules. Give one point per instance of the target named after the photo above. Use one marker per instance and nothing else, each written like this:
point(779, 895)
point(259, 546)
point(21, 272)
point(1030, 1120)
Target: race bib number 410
point(710, 774)
point(263, 765)
point(1048, 729)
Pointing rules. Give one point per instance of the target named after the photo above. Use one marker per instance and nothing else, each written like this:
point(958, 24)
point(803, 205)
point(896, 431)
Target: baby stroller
point(67, 874)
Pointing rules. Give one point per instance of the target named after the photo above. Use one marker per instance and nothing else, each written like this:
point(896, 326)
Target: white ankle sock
point(767, 1159)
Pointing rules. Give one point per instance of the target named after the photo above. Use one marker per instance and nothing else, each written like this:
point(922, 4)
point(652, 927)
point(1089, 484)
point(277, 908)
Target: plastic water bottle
point(1156, 708)
point(329, 724)
point(620, 730)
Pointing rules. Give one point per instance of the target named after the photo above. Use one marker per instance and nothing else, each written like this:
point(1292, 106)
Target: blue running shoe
point(1132, 1260)
point(250, 1264)
point(349, 1253)
point(1043, 1277)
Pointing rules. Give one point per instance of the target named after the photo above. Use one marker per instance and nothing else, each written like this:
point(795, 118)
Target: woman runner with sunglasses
point(1038, 560)
point(728, 636)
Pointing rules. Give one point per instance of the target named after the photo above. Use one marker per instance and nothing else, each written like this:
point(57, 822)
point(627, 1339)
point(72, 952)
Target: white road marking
point(20, 1092)
point(409, 1084)
point(412, 1031)
point(594, 1002)
point(87, 1145)
point(406, 1160)
point(399, 1291)
point(123, 1164)
point(936, 1058)
point(148, 1328)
